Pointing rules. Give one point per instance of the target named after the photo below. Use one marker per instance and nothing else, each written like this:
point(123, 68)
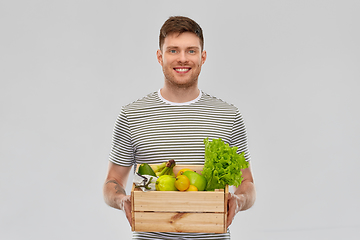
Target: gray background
point(66, 68)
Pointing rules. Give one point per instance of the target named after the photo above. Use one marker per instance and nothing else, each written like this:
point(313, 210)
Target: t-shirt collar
point(182, 103)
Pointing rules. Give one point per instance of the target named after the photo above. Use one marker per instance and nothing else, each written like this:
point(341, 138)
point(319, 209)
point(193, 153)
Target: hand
point(125, 205)
point(235, 204)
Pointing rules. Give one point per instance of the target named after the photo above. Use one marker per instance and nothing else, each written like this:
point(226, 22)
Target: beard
point(181, 82)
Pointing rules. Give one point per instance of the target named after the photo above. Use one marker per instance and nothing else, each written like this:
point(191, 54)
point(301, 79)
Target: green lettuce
point(222, 165)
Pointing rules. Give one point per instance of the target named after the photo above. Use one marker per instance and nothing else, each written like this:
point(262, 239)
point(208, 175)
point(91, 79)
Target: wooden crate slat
point(172, 201)
point(179, 222)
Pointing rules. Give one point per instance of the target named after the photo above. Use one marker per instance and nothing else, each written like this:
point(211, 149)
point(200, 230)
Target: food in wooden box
point(179, 211)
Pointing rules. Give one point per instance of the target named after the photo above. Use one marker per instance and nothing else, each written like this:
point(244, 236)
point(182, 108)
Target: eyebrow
point(176, 47)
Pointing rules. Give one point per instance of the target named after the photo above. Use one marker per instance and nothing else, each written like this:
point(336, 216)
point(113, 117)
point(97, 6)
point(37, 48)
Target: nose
point(182, 57)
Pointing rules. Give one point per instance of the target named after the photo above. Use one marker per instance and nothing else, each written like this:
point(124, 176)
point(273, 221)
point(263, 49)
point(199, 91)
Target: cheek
point(166, 62)
point(198, 62)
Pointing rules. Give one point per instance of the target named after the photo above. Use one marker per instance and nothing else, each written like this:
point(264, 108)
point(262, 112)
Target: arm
point(244, 196)
point(114, 189)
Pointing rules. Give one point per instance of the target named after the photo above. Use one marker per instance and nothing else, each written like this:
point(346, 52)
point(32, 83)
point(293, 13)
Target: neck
point(180, 95)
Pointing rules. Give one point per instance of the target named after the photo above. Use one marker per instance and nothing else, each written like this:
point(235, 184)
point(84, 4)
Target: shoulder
point(151, 99)
point(217, 102)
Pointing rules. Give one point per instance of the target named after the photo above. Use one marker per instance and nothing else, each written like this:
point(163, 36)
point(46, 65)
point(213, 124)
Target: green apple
point(196, 179)
point(165, 183)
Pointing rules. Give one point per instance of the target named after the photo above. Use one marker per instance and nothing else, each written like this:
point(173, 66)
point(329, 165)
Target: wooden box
point(175, 211)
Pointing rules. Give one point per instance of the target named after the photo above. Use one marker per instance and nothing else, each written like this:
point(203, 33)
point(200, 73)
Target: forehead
point(182, 40)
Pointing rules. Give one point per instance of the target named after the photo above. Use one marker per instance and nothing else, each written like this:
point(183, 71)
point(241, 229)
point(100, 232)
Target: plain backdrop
point(292, 67)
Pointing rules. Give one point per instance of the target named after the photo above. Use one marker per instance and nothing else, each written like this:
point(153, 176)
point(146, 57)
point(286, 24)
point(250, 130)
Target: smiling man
point(181, 56)
point(173, 122)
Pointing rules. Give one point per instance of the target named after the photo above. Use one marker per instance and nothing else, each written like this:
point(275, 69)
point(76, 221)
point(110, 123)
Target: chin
point(184, 84)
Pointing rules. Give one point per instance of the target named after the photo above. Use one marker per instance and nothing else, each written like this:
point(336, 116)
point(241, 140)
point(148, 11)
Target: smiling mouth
point(182, 70)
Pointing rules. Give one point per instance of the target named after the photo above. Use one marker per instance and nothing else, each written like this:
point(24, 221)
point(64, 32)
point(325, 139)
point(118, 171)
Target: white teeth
point(182, 69)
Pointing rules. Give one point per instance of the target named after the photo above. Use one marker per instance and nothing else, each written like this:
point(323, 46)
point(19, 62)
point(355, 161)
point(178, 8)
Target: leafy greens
point(222, 164)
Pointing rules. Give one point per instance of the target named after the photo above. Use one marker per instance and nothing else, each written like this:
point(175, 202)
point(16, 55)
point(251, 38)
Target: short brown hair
point(180, 24)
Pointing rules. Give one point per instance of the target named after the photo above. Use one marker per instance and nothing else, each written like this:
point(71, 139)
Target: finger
point(228, 223)
point(230, 218)
point(126, 204)
point(231, 212)
point(129, 218)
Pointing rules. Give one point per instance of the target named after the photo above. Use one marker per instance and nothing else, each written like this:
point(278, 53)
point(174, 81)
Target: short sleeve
point(239, 136)
point(122, 152)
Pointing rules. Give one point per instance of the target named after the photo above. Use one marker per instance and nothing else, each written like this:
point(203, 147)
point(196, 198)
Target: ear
point(159, 56)
point(203, 57)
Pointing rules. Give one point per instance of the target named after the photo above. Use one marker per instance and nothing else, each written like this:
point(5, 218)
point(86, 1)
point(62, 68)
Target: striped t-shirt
point(154, 130)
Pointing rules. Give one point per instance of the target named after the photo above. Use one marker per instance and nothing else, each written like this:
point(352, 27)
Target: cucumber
point(145, 169)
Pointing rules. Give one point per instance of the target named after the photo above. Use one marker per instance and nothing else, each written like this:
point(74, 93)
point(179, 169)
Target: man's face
point(181, 59)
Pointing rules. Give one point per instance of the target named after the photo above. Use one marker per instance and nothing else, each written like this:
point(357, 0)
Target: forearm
point(113, 193)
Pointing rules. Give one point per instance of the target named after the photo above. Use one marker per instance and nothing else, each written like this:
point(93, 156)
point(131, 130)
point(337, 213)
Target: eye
point(172, 51)
point(192, 51)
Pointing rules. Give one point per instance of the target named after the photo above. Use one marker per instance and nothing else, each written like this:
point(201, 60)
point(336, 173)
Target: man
point(173, 122)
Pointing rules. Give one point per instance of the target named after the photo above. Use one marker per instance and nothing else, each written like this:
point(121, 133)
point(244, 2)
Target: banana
point(168, 169)
point(159, 167)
